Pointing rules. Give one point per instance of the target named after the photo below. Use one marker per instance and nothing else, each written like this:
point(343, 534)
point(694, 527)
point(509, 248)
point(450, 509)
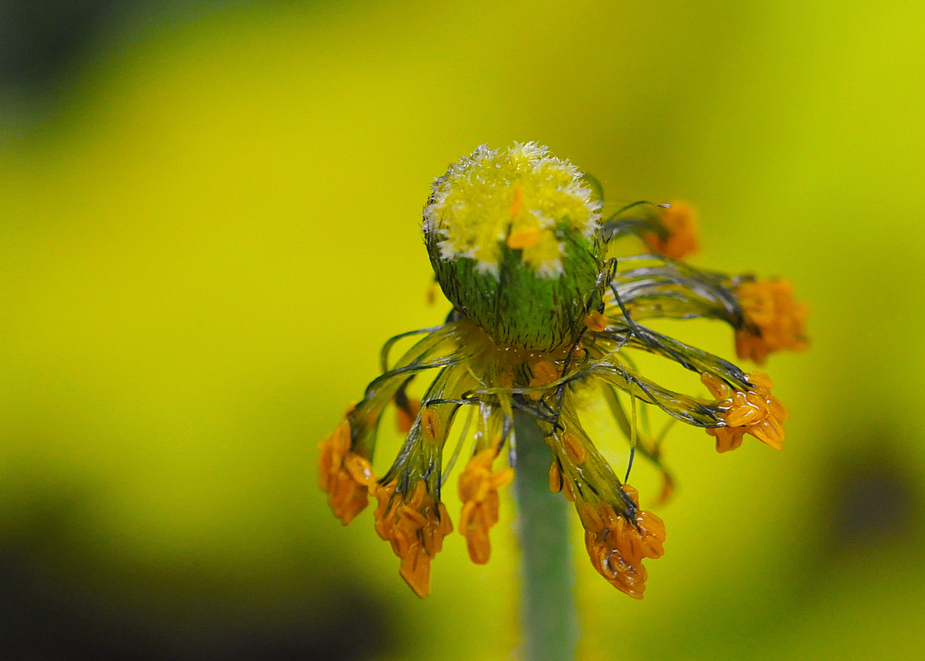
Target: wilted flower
point(542, 310)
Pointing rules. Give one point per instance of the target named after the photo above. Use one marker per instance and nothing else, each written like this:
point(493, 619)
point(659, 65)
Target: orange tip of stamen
point(595, 321)
point(524, 238)
point(518, 204)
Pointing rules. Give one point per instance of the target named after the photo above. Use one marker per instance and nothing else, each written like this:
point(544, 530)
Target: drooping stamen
point(415, 527)
point(618, 540)
point(680, 236)
point(478, 491)
point(344, 475)
point(774, 320)
point(755, 411)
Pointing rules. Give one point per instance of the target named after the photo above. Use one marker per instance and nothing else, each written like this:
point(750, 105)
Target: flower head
point(543, 318)
point(514, 239)
point(415, 523)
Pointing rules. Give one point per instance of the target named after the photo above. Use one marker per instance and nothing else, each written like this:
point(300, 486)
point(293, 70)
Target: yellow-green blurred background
point(209, 223)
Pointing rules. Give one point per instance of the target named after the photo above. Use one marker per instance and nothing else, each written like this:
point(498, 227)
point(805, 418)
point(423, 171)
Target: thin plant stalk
point(548, 617)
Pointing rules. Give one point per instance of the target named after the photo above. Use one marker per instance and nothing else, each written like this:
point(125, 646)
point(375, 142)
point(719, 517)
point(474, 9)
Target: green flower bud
point(514, 239)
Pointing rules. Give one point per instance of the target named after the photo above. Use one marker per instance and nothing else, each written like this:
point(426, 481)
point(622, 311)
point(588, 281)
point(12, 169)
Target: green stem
point(550, 624)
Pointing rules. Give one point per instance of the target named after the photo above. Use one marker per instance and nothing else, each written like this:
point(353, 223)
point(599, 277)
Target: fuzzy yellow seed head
point(513, 236)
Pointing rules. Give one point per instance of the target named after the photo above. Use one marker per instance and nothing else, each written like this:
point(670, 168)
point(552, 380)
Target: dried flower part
point(755, 411)
point(618, 542)
point(478, 491)
point(415, 527)
point(678, 239)
point(774, 319)
point(344, 475)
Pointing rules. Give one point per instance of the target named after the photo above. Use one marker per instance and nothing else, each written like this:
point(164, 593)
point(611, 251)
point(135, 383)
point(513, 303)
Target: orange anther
point(595, 321)
point(415, 569)
point(414, 528)
point(414, 517)
point(574, 447)
point(756, 412)
point(518, 204)
point(418, 495)
point(446, 524)
point(343, 475)
point(617, 548)
point(527, 238)
point(431, 425)
point(590, 518)
point(478, 490)
point(360, 469)
point(632, 493)
point(555, 478)
point(544, 372)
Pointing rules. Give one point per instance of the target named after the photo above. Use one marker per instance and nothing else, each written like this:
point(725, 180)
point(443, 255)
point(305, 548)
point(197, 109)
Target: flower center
point(513, 237)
